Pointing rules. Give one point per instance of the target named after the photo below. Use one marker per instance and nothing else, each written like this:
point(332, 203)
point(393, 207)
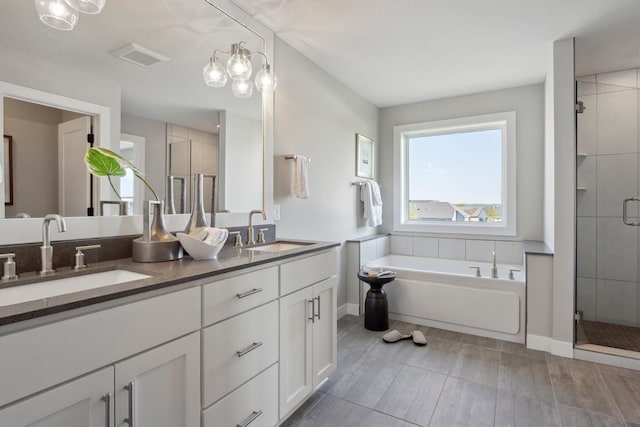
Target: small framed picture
point(364, 157)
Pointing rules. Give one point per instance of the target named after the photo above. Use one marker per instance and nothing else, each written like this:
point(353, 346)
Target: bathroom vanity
point(242, 339)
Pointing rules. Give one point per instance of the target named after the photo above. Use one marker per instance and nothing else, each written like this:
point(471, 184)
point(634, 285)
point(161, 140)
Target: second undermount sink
point(67, 285)
point(279, 246)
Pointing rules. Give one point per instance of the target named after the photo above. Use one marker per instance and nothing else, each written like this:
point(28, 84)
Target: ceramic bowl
point(197, 248)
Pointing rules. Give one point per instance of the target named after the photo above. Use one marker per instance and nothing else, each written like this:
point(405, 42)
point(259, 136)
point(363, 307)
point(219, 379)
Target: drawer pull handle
point(249, 349)
point(249, 419)
point(251, 292)
point(318, 314)
point(107, 409)
point(312, 311)
point(129, 419)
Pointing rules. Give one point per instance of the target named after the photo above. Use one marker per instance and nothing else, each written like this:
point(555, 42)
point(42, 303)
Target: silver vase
point(198, 217)
point(156, 243)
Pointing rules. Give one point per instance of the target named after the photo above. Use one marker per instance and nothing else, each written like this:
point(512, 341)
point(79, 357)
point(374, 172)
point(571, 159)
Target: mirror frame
point(28, 230)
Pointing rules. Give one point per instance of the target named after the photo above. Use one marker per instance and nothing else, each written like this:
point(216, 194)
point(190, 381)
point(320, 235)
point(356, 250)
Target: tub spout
point(494, 269)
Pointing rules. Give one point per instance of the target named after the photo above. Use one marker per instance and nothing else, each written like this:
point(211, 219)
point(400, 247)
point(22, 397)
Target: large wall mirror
point(163, 116)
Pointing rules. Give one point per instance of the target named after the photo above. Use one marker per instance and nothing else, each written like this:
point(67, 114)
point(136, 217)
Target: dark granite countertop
point(163, 275)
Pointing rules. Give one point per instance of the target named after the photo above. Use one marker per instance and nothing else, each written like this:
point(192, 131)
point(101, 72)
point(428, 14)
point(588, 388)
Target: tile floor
point(464, 380)
point(609, 335)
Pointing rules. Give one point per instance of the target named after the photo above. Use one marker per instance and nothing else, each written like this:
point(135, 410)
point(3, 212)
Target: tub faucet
point(250, 239)
point(494, 269)
point(46, 250)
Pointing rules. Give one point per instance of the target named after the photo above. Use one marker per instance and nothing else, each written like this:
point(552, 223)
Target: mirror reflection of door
point(34, 129)
point(73, 179)
point(132, 190)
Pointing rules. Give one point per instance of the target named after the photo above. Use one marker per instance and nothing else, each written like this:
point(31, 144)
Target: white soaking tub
point(445, 293)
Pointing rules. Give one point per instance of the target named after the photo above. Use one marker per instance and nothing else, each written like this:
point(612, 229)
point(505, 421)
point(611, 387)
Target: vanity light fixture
point(63, 14)
point(239, 70)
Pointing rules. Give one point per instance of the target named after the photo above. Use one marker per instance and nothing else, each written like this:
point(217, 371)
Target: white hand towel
point(370, 196)
point(300, 177)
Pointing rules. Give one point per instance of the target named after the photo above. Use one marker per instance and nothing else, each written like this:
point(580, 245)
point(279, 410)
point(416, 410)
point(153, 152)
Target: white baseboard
point(353, 309)
point(342, 311)
point(558, 348)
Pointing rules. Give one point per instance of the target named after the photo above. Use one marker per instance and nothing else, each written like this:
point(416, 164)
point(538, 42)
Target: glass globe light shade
point(57, 14)
point(214, 74)
point(238, 65)
point(87, 6)
point(266, 79)
point(242, 88)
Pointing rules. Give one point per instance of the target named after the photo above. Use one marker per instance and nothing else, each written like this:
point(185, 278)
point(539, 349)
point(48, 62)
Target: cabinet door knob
point(249, 419)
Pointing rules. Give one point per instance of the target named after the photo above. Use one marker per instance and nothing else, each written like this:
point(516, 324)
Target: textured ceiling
point(400, 51)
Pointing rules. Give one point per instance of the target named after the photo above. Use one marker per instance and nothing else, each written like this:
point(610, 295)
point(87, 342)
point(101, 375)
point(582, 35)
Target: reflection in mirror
point(147, 103)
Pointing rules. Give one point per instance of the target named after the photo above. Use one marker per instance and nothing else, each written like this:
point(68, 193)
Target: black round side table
point(376, 312)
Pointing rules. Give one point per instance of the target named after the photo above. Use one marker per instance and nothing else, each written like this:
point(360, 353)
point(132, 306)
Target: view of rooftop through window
point(455, 176)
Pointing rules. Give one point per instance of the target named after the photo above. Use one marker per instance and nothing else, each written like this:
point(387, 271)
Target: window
point(456, 176)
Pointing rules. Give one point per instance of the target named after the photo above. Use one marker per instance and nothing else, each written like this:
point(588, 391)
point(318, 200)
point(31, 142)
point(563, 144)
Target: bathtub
point(445, 293)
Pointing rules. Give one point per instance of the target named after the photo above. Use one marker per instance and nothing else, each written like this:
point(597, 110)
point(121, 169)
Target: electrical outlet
point(276, 212)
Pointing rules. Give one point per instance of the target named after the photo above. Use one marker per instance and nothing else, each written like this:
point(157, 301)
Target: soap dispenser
point(156, 243)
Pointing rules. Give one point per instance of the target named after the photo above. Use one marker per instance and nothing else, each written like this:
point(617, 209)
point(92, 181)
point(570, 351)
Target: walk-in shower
point(608, 211)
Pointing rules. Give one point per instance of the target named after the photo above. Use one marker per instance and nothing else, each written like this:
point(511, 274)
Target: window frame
point(505, 121)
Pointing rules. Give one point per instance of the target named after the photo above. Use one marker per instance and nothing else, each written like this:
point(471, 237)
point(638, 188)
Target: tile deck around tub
point(463, 380)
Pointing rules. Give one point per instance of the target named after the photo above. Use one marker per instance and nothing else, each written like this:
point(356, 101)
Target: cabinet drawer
point(301, 273)
point(257, 400)
point(69, 348)
point(229, 297)
point(237, 349)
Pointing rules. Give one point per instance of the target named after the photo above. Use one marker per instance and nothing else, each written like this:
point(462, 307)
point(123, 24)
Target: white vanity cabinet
point(59, 372)
point(87, 401)
point(308, 327)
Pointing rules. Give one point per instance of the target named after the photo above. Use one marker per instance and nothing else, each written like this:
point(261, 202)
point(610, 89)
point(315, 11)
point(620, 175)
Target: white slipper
point(418, 338)
point(394, 336)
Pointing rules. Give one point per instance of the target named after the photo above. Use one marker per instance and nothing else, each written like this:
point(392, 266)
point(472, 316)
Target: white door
point(161, 387)
point(85, 402)
point(325, 331)
point(295, 349)
point(73, 177)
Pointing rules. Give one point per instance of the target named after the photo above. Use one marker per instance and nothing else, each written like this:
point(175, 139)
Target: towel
point(370, 196)
point(300, 177)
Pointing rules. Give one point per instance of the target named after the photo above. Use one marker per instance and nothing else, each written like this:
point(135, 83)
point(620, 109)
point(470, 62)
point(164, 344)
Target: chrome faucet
point(46, 250)
point(250, 239)
point(494, 269)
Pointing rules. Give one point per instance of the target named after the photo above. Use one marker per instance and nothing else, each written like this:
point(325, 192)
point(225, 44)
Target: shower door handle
point(624, 211)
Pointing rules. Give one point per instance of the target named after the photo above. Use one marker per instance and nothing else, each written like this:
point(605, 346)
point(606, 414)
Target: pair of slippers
point(395, 336)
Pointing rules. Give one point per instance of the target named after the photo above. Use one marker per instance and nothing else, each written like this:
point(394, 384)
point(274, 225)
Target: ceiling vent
point(140, 56)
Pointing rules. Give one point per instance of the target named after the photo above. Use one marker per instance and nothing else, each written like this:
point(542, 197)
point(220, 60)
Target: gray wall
point(526, 101)
point(317, 116)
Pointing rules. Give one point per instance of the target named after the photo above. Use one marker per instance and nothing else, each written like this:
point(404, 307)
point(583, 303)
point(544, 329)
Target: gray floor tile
point(626, 393)
point(442, 334)
point(491, 343)
point(514, 410)
point(478, 364)
point(525, 376)
point(573, 417)
point(301, 417)
point(438, 355)
point(366, 382)
point(464, 403)
point(413, 395)
point(579, 384)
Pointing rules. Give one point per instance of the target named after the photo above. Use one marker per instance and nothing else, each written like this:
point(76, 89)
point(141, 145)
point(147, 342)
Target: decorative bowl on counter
point(198, 248)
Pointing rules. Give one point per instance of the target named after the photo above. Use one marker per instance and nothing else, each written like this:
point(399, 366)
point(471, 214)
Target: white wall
point(317, 116)
point(526, 101)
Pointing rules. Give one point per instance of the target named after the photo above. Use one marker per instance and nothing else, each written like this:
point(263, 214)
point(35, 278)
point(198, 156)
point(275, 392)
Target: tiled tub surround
point(608, 281)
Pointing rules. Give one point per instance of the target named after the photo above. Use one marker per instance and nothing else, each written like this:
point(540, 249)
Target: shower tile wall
point(608, 283)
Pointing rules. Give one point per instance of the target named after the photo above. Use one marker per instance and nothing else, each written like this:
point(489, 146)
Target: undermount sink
point(67, 285)
point(279, 247)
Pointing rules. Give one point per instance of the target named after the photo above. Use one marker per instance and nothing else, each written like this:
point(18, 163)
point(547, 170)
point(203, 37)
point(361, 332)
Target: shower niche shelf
point(581, 189)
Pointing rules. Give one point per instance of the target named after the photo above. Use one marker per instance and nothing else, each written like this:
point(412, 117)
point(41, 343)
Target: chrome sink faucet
point(250, 239)
point(46, 250)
